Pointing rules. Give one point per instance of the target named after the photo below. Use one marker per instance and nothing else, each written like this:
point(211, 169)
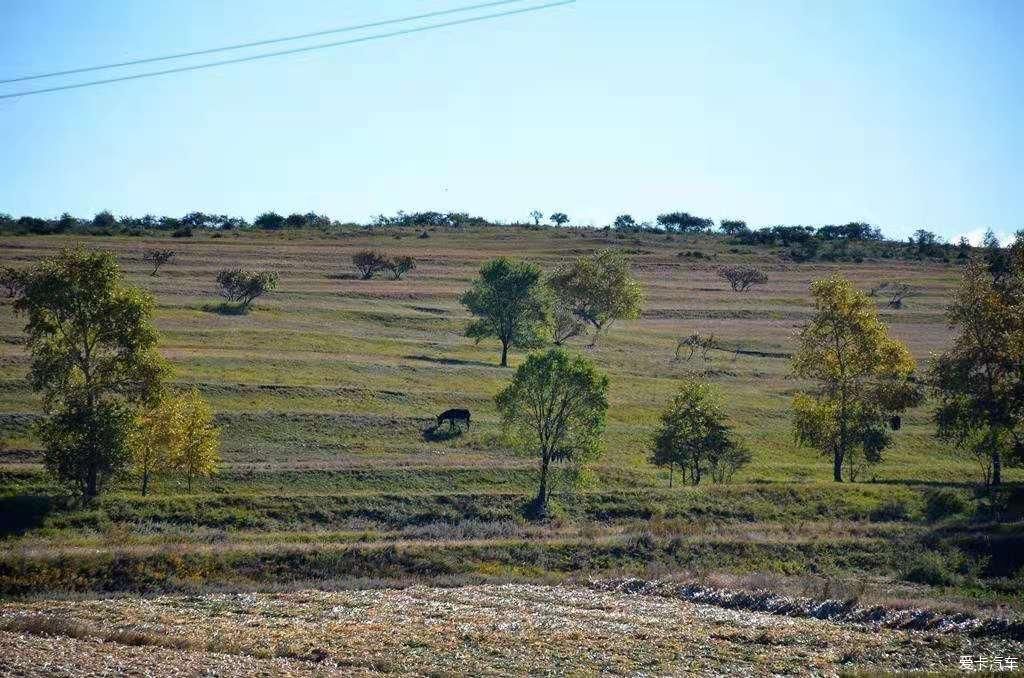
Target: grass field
point(324, 392)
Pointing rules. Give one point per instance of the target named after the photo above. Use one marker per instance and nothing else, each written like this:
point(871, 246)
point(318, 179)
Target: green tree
point(863, 375)
point(536, 215)
point(599, 289)
point(510, 304)
point(244, 287)
point(979, 381)
point(559, 219)
point(555, 408)
point(694, 436)
point(94, 359)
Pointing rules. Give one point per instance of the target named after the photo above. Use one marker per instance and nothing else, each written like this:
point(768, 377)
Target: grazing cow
point(453, 416)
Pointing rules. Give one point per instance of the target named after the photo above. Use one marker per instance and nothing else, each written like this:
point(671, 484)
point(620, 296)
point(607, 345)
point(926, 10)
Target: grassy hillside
point(325, 389)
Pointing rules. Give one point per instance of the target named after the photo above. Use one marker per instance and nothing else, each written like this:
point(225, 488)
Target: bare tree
point(696, 342)
point(158, 257)
point(897, 291)
point(12, 280)
point(536, 215)
point(741, 278)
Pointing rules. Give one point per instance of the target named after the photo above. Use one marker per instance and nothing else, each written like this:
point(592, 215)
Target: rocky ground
point(469, 630)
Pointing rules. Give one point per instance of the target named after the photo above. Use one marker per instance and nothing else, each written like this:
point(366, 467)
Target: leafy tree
point(198, 220)
point(684, 222)
point(741, 278)
point(155, 439)
point(998, 260)
point(198, 444)
point(855, 230)
point(864, 378)
point(536, 215)
point(271, 221)
point(694, 436)
point(369, 263)
point(925, 243)
point(625, 222)
point(510, 304)
point(559, 218)
point(979, 381)
point(599, 289)
point(158, 257)
point(94, 359)
point(399, 266)
point(104, 220)
point(734, 227)
point(555, 408)
point(244, 287)
point(564, 323)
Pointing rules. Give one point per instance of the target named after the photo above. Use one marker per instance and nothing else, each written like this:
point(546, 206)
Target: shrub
point(942, 503)
point(742, 278)
point(243, 287)
point(399, 266)
point(891, 510)
point(369, 263)
point(943, 567)
point(183, 232)
point(158, 257)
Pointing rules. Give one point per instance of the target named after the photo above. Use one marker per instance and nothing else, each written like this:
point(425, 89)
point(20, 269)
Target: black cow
point(453, 416)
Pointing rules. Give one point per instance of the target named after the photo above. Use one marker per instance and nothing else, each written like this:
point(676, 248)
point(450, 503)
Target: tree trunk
point(504, 353)
point(542, 492)
point(671, 470)
point(145, 482)
point(997, 467)
point(837, 466)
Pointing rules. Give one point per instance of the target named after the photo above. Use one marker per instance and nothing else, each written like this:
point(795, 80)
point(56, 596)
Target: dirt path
point(475, 630)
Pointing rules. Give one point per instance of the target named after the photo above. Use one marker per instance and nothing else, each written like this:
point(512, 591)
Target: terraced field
point(471, 630)
point(326, 392)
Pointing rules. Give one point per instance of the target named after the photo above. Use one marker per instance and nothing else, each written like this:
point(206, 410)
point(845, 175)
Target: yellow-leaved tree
point(199, 451)
point(177, 434)
point(863, 377)
point(154, 440)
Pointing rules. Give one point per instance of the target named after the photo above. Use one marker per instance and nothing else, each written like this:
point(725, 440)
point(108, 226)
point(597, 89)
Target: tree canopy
point(863, 377)
point(694, 436)
point(94, 359)
point(555, 408)
point(510, 304)
point(599, 289)
point(979, 380)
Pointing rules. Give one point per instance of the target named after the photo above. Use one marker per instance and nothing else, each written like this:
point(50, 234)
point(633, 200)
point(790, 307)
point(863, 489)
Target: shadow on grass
point(448, 361)
point(25, 512)
point(440, 434)
point(225, 308)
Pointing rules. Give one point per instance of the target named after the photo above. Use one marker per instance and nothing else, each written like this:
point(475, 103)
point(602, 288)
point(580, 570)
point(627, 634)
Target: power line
point(380, 36)
point(260, 43)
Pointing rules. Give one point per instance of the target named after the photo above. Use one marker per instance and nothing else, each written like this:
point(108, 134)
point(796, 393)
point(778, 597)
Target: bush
point(946, 567)
point(943, 503)
point(742, 278)
point(369, 263)
point(399, 266)
point(891, 510)
point(929, 567)
point(183, 232)
point(243, 287)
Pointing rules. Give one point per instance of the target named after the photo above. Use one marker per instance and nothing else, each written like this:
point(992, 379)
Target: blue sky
point(904, 114)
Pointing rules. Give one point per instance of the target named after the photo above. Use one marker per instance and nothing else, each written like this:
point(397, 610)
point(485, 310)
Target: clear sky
point(904, 114)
